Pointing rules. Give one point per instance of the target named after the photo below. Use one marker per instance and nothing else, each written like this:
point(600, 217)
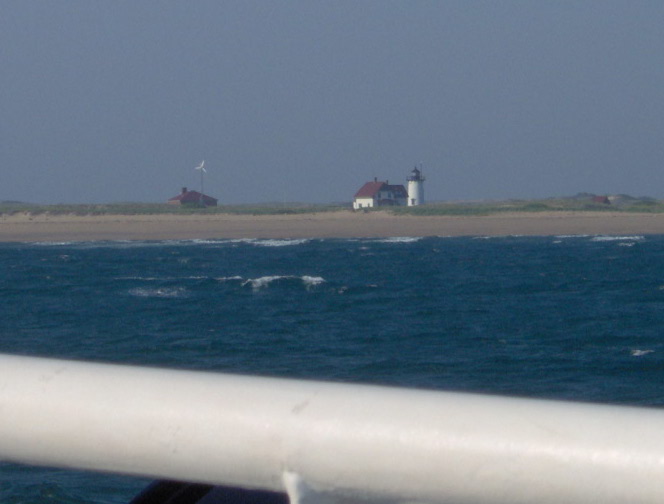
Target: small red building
point(192, 198)
point(602, 199)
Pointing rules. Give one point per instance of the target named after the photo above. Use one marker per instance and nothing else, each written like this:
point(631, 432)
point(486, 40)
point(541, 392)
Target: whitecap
point(162, 292)
point(100, 244)
point(279, 243)
point(269, 242)
point(400, 239)
point(259, 283)
point(54, 244)
point(639, 353)
point(263, 282)
point(311, 281)
point(604, 238)
point(210, 241)
point(229, 279)
point(242, 240)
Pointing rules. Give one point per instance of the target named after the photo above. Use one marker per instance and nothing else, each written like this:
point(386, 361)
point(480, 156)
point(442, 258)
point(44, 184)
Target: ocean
point(566, 317)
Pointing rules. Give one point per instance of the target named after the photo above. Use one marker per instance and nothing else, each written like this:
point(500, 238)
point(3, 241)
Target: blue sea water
point(578, 317)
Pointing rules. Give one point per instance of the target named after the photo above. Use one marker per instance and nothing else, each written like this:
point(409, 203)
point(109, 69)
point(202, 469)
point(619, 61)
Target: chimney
point(375, 179)
point(184, 190)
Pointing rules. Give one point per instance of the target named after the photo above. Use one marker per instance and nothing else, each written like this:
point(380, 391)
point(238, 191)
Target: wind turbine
point(201, 168)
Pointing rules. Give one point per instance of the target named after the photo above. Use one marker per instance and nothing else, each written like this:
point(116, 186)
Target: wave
point(104, 244)
point(357, 289)
point(400, 239)
point(230, 279)
point(265, 281)
point(311, 281)
point(258, 283)
point(161, 279)
point(55, 244)
point(603, 238)
point(127, 244)
point(640, 353)
point(262, 282)
point(259, 242)
point(162, 292)
point(209, 241)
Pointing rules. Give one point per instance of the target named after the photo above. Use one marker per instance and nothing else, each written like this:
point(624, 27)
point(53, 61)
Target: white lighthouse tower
point(415, 188)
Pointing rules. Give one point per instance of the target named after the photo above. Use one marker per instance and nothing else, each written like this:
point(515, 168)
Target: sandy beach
point(343, 224)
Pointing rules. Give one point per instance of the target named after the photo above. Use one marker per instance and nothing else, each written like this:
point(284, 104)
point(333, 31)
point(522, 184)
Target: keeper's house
point(192, 198)
point(377, 193)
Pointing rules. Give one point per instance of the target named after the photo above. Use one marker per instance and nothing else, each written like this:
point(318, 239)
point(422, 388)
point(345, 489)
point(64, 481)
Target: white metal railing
point(325, 441)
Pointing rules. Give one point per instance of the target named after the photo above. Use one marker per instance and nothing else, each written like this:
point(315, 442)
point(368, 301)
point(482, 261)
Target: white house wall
point(363, 203)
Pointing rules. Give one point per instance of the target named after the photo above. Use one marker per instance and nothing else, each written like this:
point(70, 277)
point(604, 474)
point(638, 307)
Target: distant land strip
point(66, 227)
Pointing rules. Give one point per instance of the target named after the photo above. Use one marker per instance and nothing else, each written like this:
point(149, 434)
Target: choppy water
point(557, 317)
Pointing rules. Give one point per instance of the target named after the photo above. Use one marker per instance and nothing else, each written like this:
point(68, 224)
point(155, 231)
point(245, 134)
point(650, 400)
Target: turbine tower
point(201, 168)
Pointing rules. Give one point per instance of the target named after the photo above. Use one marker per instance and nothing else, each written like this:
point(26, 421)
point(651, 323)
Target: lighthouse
point(415, 188)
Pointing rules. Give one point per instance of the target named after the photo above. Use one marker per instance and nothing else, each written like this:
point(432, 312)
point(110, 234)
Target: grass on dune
point(459, 209)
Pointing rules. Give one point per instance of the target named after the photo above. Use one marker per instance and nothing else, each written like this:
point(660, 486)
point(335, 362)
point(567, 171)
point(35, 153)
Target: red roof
point(369, 190)
point(193, 197)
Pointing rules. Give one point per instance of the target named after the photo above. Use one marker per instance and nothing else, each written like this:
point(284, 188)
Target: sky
point(305, 101)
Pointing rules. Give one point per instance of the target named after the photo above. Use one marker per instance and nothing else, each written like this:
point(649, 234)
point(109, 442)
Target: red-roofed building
point(193, 198)
point(377, 193)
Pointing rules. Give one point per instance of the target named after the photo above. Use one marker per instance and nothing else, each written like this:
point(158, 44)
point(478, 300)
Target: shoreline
point(342, 224)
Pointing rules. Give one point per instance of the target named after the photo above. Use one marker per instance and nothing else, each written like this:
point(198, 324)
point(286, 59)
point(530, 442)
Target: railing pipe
point(329, 440)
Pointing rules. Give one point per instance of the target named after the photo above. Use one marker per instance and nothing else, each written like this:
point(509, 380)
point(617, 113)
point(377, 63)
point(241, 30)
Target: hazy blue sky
point(108, 101)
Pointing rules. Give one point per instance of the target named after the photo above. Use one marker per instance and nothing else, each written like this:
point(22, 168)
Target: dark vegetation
point(580, 203)
point(11, 208)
